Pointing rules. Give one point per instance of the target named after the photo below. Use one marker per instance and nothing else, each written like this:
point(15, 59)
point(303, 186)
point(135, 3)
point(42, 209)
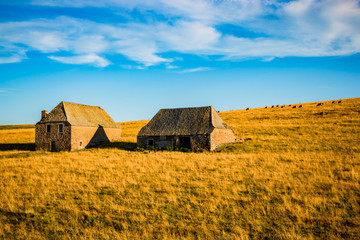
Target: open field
point(296, 175)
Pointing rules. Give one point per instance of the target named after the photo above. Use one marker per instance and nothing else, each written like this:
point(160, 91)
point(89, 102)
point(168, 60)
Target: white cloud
point(188, 36)
point(303, 28)
point(83, 59)
point(90, 43)
point(39, 35)
point(221, 11)
point(298, 7)
point(11, 54)
point(139, 50)
point(12, 59)
point(240, 48)
point(268, 59)
point(70, 3)
point(132, 67)
point(168, 66)
point(199, 69)
point(198, 10)
point(82, 37)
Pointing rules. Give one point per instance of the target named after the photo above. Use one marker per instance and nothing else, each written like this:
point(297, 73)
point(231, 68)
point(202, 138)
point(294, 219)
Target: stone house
point(198, 127)
point(72, 126)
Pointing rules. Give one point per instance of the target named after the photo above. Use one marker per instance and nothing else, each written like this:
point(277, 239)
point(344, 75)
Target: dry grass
point(131, 129)
point(298, 177)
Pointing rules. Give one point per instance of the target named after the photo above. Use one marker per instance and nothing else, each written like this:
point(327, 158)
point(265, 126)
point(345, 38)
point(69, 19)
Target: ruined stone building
point(199, 127)
point(71, 126)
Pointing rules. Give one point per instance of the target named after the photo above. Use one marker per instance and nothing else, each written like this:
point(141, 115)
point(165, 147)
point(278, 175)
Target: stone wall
point(196, 141)
point(220, 137)
point(92, 136)
point(142, 141)
point(43, 139)
point(113, 133)
point(71, 136)
point(159, 141)
point(200, 141)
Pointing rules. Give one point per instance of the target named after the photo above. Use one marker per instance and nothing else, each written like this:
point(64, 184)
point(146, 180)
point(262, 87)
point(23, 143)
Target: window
point(151, 142)
point(61, 128)
point(48, 128)
point(80, 143)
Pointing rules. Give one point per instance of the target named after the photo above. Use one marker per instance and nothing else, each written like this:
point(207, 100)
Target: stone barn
point(72, 126)
point(199, 127)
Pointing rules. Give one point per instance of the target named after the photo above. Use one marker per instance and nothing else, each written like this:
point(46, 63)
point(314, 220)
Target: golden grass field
point(296, 175)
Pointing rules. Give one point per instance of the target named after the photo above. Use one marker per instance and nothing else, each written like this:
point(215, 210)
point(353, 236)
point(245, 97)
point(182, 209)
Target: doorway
point(185, 142)
point(53, 146)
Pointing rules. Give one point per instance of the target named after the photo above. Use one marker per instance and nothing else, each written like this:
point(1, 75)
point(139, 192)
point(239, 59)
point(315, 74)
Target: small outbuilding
point(72, 126)
point(198, 127)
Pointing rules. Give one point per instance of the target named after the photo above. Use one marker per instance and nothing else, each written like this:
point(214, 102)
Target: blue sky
point(135, 57)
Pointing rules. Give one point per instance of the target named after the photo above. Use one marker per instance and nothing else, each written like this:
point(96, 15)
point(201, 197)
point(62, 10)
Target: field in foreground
point(296, 175)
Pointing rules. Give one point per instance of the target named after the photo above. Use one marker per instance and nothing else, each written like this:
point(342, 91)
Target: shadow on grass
point(17, 146)
point(15, 217)
point(131, 146)
point(128, 146)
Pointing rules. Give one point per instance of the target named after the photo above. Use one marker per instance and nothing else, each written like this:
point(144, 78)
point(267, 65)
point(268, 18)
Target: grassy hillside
point(295, 175)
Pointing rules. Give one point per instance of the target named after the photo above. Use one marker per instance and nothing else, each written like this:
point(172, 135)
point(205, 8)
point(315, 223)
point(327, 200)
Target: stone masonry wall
point(164, 141)
point(200, 141)
point(92, 136)
point(81, 136)
point(43, 139)
point(113, 133)
point(220, 137)
point(197, 141)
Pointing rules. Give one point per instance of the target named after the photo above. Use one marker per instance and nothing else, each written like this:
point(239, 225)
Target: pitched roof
point(183, 121)
point(80, 115)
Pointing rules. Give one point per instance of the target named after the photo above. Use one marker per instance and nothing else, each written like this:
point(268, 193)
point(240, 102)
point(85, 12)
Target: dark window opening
point(80, 143)
point(151, 142)
point(48, 128)
point(53, 149)
point(185, 142)
point(61, 128)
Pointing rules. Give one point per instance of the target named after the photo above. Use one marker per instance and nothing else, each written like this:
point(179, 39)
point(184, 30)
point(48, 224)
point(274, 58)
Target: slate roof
point(80, 115)
point(183, 121)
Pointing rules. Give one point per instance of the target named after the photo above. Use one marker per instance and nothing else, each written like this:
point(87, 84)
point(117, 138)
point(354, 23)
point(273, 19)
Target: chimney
point(44, 113)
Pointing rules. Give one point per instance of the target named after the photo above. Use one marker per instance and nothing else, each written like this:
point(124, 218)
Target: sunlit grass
point(131, 129)
point(296, 175)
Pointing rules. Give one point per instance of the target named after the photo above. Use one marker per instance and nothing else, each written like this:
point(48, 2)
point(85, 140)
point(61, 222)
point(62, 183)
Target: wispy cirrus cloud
point(11, 54)
point(83, 59)
point(194, 10)
point(7, 91)
point(302, 28)
point(12, 59)
point(198, 69)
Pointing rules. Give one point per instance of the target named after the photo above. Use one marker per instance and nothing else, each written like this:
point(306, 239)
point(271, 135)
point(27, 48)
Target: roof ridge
point(211, 118)
point(185, 108)
point(64, 110)
point(87, 115)
point(182, 121)
point(79, 104)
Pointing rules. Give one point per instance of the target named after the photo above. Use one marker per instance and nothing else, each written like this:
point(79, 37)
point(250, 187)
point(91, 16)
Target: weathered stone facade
point(194, 141)
point(221, 136)
point(188, 127)
point(53, 140)
point(71, 126)
point(83, 137)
